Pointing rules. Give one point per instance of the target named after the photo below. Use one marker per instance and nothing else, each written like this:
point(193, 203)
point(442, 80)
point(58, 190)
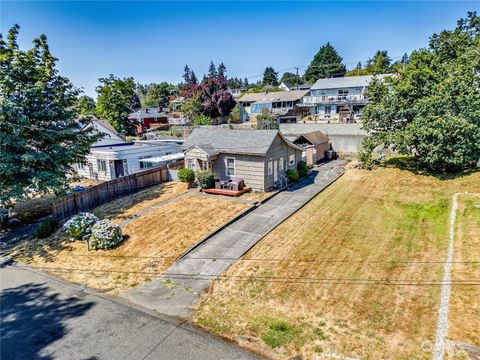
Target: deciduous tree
point(117, 98)
point(432, 109)
point(40, 137)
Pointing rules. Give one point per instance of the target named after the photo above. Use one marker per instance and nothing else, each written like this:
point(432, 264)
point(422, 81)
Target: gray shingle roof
point(274, 96)
point(254, 142)
point(345, 82)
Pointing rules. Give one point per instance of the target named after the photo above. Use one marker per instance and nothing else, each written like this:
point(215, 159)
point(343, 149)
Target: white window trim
point(270, 168)
point(227, 167)
point(280, 164)
point(192, 161)
point(98, 165)
point(291, 161)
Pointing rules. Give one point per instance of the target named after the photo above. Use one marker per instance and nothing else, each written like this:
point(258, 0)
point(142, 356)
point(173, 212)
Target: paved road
point(177, 293)
point(44, 318)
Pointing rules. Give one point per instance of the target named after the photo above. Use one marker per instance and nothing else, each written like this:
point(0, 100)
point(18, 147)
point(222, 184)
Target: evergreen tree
point(212, 71)
point(222, 70)
point(325, 64)
point(245, 82)
point(117, 98)
point(270, 77)
point(40, 137)
point(187, 75)
point(291, 79)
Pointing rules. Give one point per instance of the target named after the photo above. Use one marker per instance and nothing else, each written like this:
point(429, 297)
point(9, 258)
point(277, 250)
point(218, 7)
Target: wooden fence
point(110, 190)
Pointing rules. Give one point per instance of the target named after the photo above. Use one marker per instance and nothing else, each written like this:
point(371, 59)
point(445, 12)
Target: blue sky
point(153, 40)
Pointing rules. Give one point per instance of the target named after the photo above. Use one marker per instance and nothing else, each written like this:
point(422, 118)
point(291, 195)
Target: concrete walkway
point(177, 291)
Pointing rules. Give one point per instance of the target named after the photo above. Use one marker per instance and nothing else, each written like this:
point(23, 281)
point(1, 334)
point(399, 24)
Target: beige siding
point(280, 149)
point(247, 167)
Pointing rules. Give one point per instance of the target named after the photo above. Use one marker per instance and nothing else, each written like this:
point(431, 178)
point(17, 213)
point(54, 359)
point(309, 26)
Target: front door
point(275, 170)
point(119, 172)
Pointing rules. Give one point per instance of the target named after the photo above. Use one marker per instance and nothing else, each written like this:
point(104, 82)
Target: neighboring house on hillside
point(236, 92)
point(276, 103)
point(146, 119)
point(109, 162)
point(259, 157)
point(315, 144)
point(288, 87)
point(176, 103)
point(110, 135)
point(339, 99)
point(344, 138)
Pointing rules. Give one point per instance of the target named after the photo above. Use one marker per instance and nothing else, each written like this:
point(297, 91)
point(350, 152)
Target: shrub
point(105, 235)
point(302, 169)
point(186, 175)
point(280, 333)
point(46, 228)
point(80, 226)
point(292, 175)
point(205, 179)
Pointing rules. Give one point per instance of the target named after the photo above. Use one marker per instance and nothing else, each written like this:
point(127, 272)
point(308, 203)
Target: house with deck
point(280, 103)
point(339, 99)
point(258, 157)
point(147, 119)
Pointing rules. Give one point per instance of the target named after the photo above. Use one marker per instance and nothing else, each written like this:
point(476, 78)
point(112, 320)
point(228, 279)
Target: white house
point(277, 103)
point(340, 98)
point(107, 162)
point(110, 135)
point(288, 87)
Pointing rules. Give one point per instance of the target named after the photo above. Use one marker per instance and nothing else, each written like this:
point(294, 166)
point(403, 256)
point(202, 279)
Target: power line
point(271, 279)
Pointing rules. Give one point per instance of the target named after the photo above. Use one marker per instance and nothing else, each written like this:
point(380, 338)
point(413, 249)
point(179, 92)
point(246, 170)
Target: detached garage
point(315, 144)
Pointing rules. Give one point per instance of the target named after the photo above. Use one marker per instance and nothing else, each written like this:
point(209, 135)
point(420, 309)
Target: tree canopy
point(325, 64)
point(379, 64)
point(158, 95)
point(432, 108)
point(270, 76)
point(117, 98)
point(40, 137)
point(291, 78)
point(85, 105)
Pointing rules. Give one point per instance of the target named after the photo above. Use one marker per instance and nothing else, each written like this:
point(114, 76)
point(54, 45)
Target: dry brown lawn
point(348, 274)
point(153, 242)
point(464, 310)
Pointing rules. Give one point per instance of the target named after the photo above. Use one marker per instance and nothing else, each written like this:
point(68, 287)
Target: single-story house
point(315, 144)
point(258, 157)
point(110, 135)
point(109, 162)
point(146, 119)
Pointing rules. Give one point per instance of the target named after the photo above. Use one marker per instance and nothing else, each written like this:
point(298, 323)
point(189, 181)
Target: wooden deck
point(227, 192)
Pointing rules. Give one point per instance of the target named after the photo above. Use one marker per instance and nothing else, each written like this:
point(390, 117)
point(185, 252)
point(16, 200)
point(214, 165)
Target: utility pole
point(296, 78)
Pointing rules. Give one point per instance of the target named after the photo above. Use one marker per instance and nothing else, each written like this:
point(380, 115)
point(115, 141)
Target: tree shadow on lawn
point(32, 317)
point(411, 164)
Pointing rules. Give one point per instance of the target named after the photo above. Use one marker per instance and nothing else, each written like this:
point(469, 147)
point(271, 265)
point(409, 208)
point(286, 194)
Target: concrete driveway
point(177, 291)
point(45, 318)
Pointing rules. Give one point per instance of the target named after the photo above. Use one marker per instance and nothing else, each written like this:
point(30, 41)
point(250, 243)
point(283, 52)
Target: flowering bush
point(80, 226)
point(105, 235)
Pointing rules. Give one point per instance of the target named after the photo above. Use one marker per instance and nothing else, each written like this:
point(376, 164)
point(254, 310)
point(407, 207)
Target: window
point(270, 168)
point(342, 91)
point(328, 109)
point(81, 165)
point(230, 166)
point(291, 160)
point(191, 164)
point(102, 165)
point(145, 165)
point(280, 164)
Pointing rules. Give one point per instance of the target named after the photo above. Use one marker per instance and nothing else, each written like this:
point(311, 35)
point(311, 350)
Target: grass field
point(153, 241)
point(464, 310)
point(349, 273)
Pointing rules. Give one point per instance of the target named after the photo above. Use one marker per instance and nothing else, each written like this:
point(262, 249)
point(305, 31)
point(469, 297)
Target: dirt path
point(442, 322)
